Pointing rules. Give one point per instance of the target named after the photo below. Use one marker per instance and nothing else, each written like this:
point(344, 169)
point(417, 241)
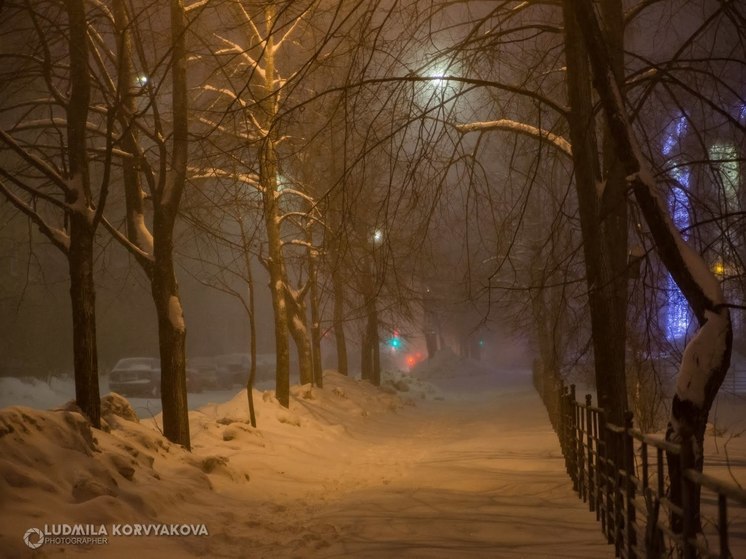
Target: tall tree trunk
point(83, 298)
point(336, 250)
point(366, 354)
point(707, 356)
point(164, 287)
point(339, 317)
point(318, 372)
point(82, 228)
point(134, 196)
point(607, 308)
point(278, 283)
point(172, 341)
point(372, 353)
point(277, 277)
point(252, 323)
point(614, 232)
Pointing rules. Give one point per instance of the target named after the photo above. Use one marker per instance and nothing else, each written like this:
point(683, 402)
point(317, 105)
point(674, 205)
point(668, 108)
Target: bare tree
point(164, 170)
point(707, 356)
point(46, 173)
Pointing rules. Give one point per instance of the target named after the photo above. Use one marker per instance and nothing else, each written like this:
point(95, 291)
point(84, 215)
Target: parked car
point(266, 364)
point(205, 372)
point(141, 376)
point(233, 368)
point(136, 376)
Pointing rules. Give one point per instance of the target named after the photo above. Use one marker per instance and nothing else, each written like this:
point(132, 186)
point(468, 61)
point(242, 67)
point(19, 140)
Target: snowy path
point(477, 476)
point(474, 483)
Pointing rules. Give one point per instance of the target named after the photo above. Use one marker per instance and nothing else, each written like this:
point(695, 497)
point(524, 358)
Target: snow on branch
point(297, 242)
point(309, 215)
point(176, 314)
point(196, 5)
point(235, 48)
point(289, 32)
point(144, 258)
point(249, 21)
point(285, 190)
point(521, 128)
point(208, 173)
point(702, 356)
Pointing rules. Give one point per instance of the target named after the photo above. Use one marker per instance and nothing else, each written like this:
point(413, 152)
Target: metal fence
point(623, 476)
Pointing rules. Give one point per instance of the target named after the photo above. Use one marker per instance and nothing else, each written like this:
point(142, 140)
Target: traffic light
point(395, 342)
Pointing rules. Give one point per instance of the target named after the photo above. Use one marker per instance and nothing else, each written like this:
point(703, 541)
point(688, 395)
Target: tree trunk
point(607, 304)
point(277, 279)
point(614, 231)
point(252, 326)
point(164, 287)
point(137, 231)
point(318, 372)
point(83, 298)
point(172, 344)
point(299, 331)
point(82, 227)
point(370, 354)
point(339, 321)
point(374, 350)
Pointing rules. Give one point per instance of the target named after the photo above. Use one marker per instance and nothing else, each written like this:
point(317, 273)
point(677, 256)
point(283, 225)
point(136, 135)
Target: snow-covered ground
point(453, 460)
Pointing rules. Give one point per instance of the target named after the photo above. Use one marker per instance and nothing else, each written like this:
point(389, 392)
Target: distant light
point(395, 342)
point(719, 268)
point(377, 237)
point(674, 134)
point(142, 80)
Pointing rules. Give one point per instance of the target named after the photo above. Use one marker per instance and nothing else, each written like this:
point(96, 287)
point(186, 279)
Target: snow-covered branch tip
point(507, 125)
point(195, 174)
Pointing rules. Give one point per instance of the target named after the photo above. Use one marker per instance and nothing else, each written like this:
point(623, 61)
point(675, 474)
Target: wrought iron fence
point(622, 474)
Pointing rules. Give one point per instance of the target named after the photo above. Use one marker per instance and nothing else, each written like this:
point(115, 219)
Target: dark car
point(141, 376)
point(204, 372)
point(233, 369)
point(136, 376)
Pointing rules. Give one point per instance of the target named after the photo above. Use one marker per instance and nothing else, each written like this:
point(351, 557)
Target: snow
point(455, 459)
point(520, 128)
point(702, 356)
point(175, 313)
point(143, 237)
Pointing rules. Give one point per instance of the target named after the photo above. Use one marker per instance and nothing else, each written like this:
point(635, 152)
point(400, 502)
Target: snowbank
point(55, 469)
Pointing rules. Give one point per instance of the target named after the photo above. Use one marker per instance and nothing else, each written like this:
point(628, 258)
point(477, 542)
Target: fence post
point(588, 467)
point(607, 478)
point(629, 467)
point(573, 436)
point(564, 426)
point(688, 500)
